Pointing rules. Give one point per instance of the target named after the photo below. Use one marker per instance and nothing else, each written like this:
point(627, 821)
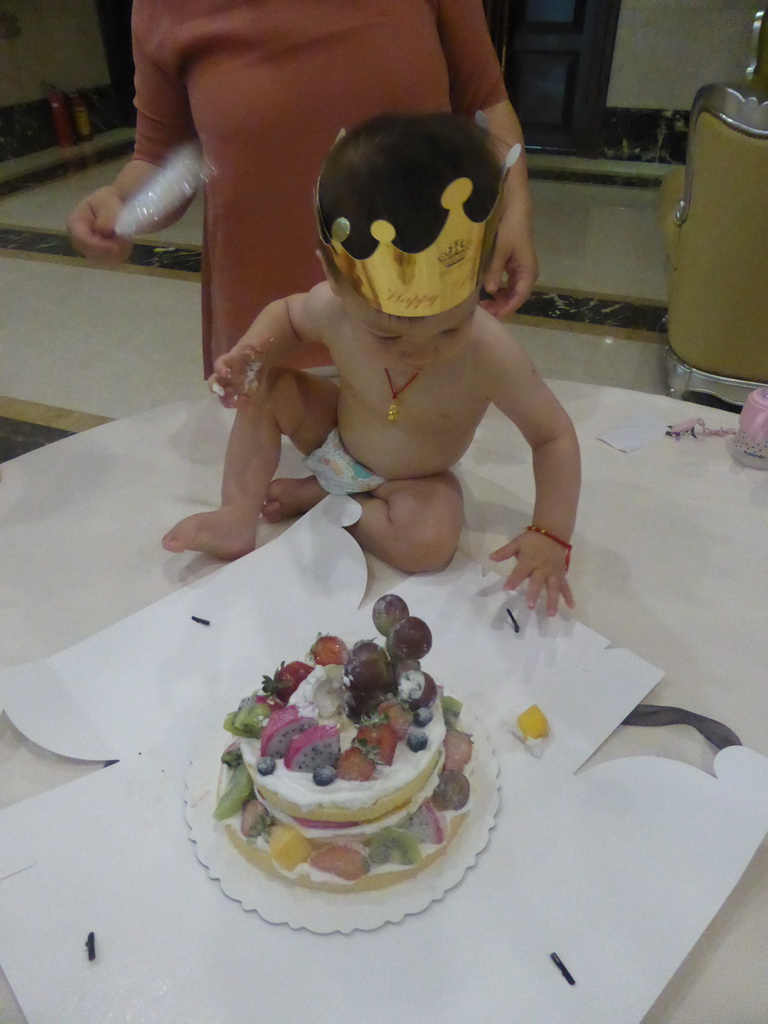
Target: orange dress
point(266, 86)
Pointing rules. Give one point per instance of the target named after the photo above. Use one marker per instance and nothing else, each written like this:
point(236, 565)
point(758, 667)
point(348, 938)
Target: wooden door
point(556, 57)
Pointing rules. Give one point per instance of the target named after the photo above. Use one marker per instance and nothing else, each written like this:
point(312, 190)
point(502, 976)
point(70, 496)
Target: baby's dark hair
point(395, 168)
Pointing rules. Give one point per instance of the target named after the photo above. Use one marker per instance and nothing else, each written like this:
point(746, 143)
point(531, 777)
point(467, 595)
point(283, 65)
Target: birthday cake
point(349, 769)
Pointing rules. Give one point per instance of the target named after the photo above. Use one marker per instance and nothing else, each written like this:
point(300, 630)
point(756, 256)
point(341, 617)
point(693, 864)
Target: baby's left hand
point(541, 561)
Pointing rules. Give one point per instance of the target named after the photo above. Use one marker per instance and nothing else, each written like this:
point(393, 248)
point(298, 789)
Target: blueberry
point(324, 775)
point(422, 717)
point(416, 740)
point(265, 765)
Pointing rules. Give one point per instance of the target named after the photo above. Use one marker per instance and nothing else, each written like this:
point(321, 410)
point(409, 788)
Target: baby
point(418, 361)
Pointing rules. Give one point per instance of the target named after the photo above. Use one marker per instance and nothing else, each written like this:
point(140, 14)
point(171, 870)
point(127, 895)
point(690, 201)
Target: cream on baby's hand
point(251, 380)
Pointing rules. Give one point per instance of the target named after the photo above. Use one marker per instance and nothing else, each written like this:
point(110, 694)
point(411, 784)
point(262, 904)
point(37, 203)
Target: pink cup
point(754, 416)
point(750, 445)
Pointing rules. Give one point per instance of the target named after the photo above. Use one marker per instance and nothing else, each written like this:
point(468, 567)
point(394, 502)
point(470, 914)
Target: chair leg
point(683, 379)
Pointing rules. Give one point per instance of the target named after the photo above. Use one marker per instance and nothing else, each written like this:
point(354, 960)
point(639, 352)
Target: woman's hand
point(514, 255)
point(91, 227)
point(541, 561)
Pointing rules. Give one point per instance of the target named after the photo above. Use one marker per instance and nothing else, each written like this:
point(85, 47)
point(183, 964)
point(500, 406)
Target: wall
point(59, 42)
point(666, 49)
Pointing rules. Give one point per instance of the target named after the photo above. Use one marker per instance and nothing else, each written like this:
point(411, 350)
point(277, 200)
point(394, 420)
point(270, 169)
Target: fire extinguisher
point(80, 117)
point(62, 120)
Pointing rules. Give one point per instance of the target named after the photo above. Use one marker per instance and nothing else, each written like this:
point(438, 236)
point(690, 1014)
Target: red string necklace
point(394, 413)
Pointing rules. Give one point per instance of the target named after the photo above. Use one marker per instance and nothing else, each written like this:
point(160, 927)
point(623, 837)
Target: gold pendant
point(394, 412)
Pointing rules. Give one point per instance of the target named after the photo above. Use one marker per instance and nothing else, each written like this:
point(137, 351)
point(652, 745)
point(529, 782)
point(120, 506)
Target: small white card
point(637, 432)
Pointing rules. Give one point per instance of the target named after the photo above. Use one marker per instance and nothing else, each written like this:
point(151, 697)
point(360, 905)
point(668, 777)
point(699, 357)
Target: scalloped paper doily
point(280, 902)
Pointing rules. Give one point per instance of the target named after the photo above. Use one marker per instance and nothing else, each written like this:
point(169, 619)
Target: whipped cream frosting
point(299, 788)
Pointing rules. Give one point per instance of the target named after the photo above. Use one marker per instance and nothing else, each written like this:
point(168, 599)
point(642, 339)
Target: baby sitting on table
point(407, 207)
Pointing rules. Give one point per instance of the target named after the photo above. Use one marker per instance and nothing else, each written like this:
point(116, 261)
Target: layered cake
point(349, 769)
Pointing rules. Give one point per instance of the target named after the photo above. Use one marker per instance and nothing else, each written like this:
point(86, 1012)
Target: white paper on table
point(635, 433)
point(126, 687)
point(618, 869)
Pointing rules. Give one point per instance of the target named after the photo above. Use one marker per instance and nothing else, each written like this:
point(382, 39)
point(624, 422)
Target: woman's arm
point(514, 254)
point(476, 84)
point(91, 224)
point(164, 121)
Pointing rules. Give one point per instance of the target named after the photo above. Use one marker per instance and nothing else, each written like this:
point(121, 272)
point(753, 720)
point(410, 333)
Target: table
point(669, 561)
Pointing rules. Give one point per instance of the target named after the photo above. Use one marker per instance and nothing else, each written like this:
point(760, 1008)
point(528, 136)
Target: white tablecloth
point(669, 561)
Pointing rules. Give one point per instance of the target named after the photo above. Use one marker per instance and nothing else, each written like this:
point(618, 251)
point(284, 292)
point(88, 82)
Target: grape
point(410, 638)
point(452, 791)
point(357, 705)
point(418, 689)
point(366, 674)
point(387, 612)
point(408, 665)
point(370, 649)
point(428, 694)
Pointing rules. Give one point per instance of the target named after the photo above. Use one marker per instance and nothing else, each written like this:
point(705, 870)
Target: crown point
point(456, 194)
point(383, 231)
point(340, 229)
point(512, 156)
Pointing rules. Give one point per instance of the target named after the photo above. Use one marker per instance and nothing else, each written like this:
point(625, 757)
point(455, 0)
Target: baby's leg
point(287, 402)
point(413, 525)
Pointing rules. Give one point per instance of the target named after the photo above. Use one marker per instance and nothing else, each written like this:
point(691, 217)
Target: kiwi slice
point(239, 789)
point(451, 710)
point(393, 846)
point(232, 756)
point(247, 721)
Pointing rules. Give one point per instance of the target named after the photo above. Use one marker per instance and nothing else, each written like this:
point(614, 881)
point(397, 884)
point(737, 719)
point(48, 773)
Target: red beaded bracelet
point(558, 540)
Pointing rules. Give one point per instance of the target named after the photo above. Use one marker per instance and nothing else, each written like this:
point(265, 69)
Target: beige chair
point(714, 214)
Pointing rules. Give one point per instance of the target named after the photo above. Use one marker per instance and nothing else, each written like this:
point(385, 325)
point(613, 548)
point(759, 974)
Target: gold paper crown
point(421, 283)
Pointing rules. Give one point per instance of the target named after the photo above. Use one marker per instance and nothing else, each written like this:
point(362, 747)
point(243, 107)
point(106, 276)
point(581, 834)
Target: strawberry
point(345, 860)
point(355, 764)
point(458, 750)
point(286, 680)
point(329, 650)
point(398, 716)
point(378, 740)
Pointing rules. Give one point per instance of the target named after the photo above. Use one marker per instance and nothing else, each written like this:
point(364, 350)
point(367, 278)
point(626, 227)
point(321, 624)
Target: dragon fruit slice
point(313, 748)
point(282, 725)
point(330, 825)
point(424, 825)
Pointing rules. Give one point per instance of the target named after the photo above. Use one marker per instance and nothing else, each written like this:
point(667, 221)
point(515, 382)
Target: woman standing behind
point(266, 86)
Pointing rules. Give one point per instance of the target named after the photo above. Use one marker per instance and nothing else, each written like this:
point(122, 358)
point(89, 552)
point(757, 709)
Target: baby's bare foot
point(225, 533)
point(289, 497)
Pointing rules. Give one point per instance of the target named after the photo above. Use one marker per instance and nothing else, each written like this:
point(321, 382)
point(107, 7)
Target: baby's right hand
point(239, 371)
point(91, 227)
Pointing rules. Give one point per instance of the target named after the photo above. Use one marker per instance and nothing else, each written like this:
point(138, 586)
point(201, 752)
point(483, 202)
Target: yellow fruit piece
point(288, 847)
point(533, 723)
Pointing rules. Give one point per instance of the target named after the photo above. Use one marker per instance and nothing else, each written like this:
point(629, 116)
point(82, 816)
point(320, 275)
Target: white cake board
point(617, 869)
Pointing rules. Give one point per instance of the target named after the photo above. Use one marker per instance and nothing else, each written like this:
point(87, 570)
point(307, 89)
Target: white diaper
point(336, 470)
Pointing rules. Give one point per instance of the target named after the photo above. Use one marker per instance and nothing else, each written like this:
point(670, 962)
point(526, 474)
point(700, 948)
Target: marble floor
point(80, 345)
